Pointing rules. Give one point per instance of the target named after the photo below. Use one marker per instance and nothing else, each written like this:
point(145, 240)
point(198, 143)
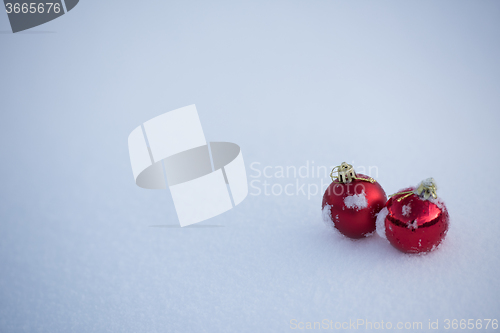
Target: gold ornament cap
point(426, 189)
point(346, 174)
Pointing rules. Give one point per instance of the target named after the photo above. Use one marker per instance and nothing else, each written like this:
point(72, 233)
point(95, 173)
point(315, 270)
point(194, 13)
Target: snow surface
point(327, 214)
point(380, 222)
point(405, 90)
point(356, 201)
point(329, 220)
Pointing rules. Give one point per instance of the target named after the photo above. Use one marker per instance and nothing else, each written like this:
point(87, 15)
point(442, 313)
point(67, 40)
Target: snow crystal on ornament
point(413, 225)
point(406, 210)
point(357, 201)
point(380, 224)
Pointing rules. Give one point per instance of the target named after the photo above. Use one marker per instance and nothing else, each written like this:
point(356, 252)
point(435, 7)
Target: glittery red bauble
point(353, 207)
point(415, 225)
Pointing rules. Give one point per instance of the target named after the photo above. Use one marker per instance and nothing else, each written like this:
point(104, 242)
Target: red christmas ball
point(413, 223)
point(352, 207)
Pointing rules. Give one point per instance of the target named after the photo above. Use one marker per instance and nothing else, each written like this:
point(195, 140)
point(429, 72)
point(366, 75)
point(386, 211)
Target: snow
point(356, 201)
point(403, 90)
point(438, 202)
point(380, 222)
point(370, 234)
point(327, 214)
point(428, 182)
point(329, 221)
point(406, 209)
point(413, 225)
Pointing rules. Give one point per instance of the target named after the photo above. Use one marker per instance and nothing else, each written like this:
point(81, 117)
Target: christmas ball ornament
point(352, 201)
point(414, 220)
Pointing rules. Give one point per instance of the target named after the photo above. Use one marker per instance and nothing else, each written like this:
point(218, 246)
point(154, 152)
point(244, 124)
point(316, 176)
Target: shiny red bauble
point(352, 208)
point(414, 224)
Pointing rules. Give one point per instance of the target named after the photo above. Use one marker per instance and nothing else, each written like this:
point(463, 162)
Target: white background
point(409, 87)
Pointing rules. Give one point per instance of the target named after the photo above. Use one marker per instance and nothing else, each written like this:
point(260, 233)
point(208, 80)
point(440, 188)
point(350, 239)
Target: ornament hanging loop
point(406, 195)
point(346, 174)
point(426, 189)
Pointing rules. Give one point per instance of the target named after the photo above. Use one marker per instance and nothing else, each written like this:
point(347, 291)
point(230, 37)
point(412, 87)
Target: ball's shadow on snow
point(373, 243)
